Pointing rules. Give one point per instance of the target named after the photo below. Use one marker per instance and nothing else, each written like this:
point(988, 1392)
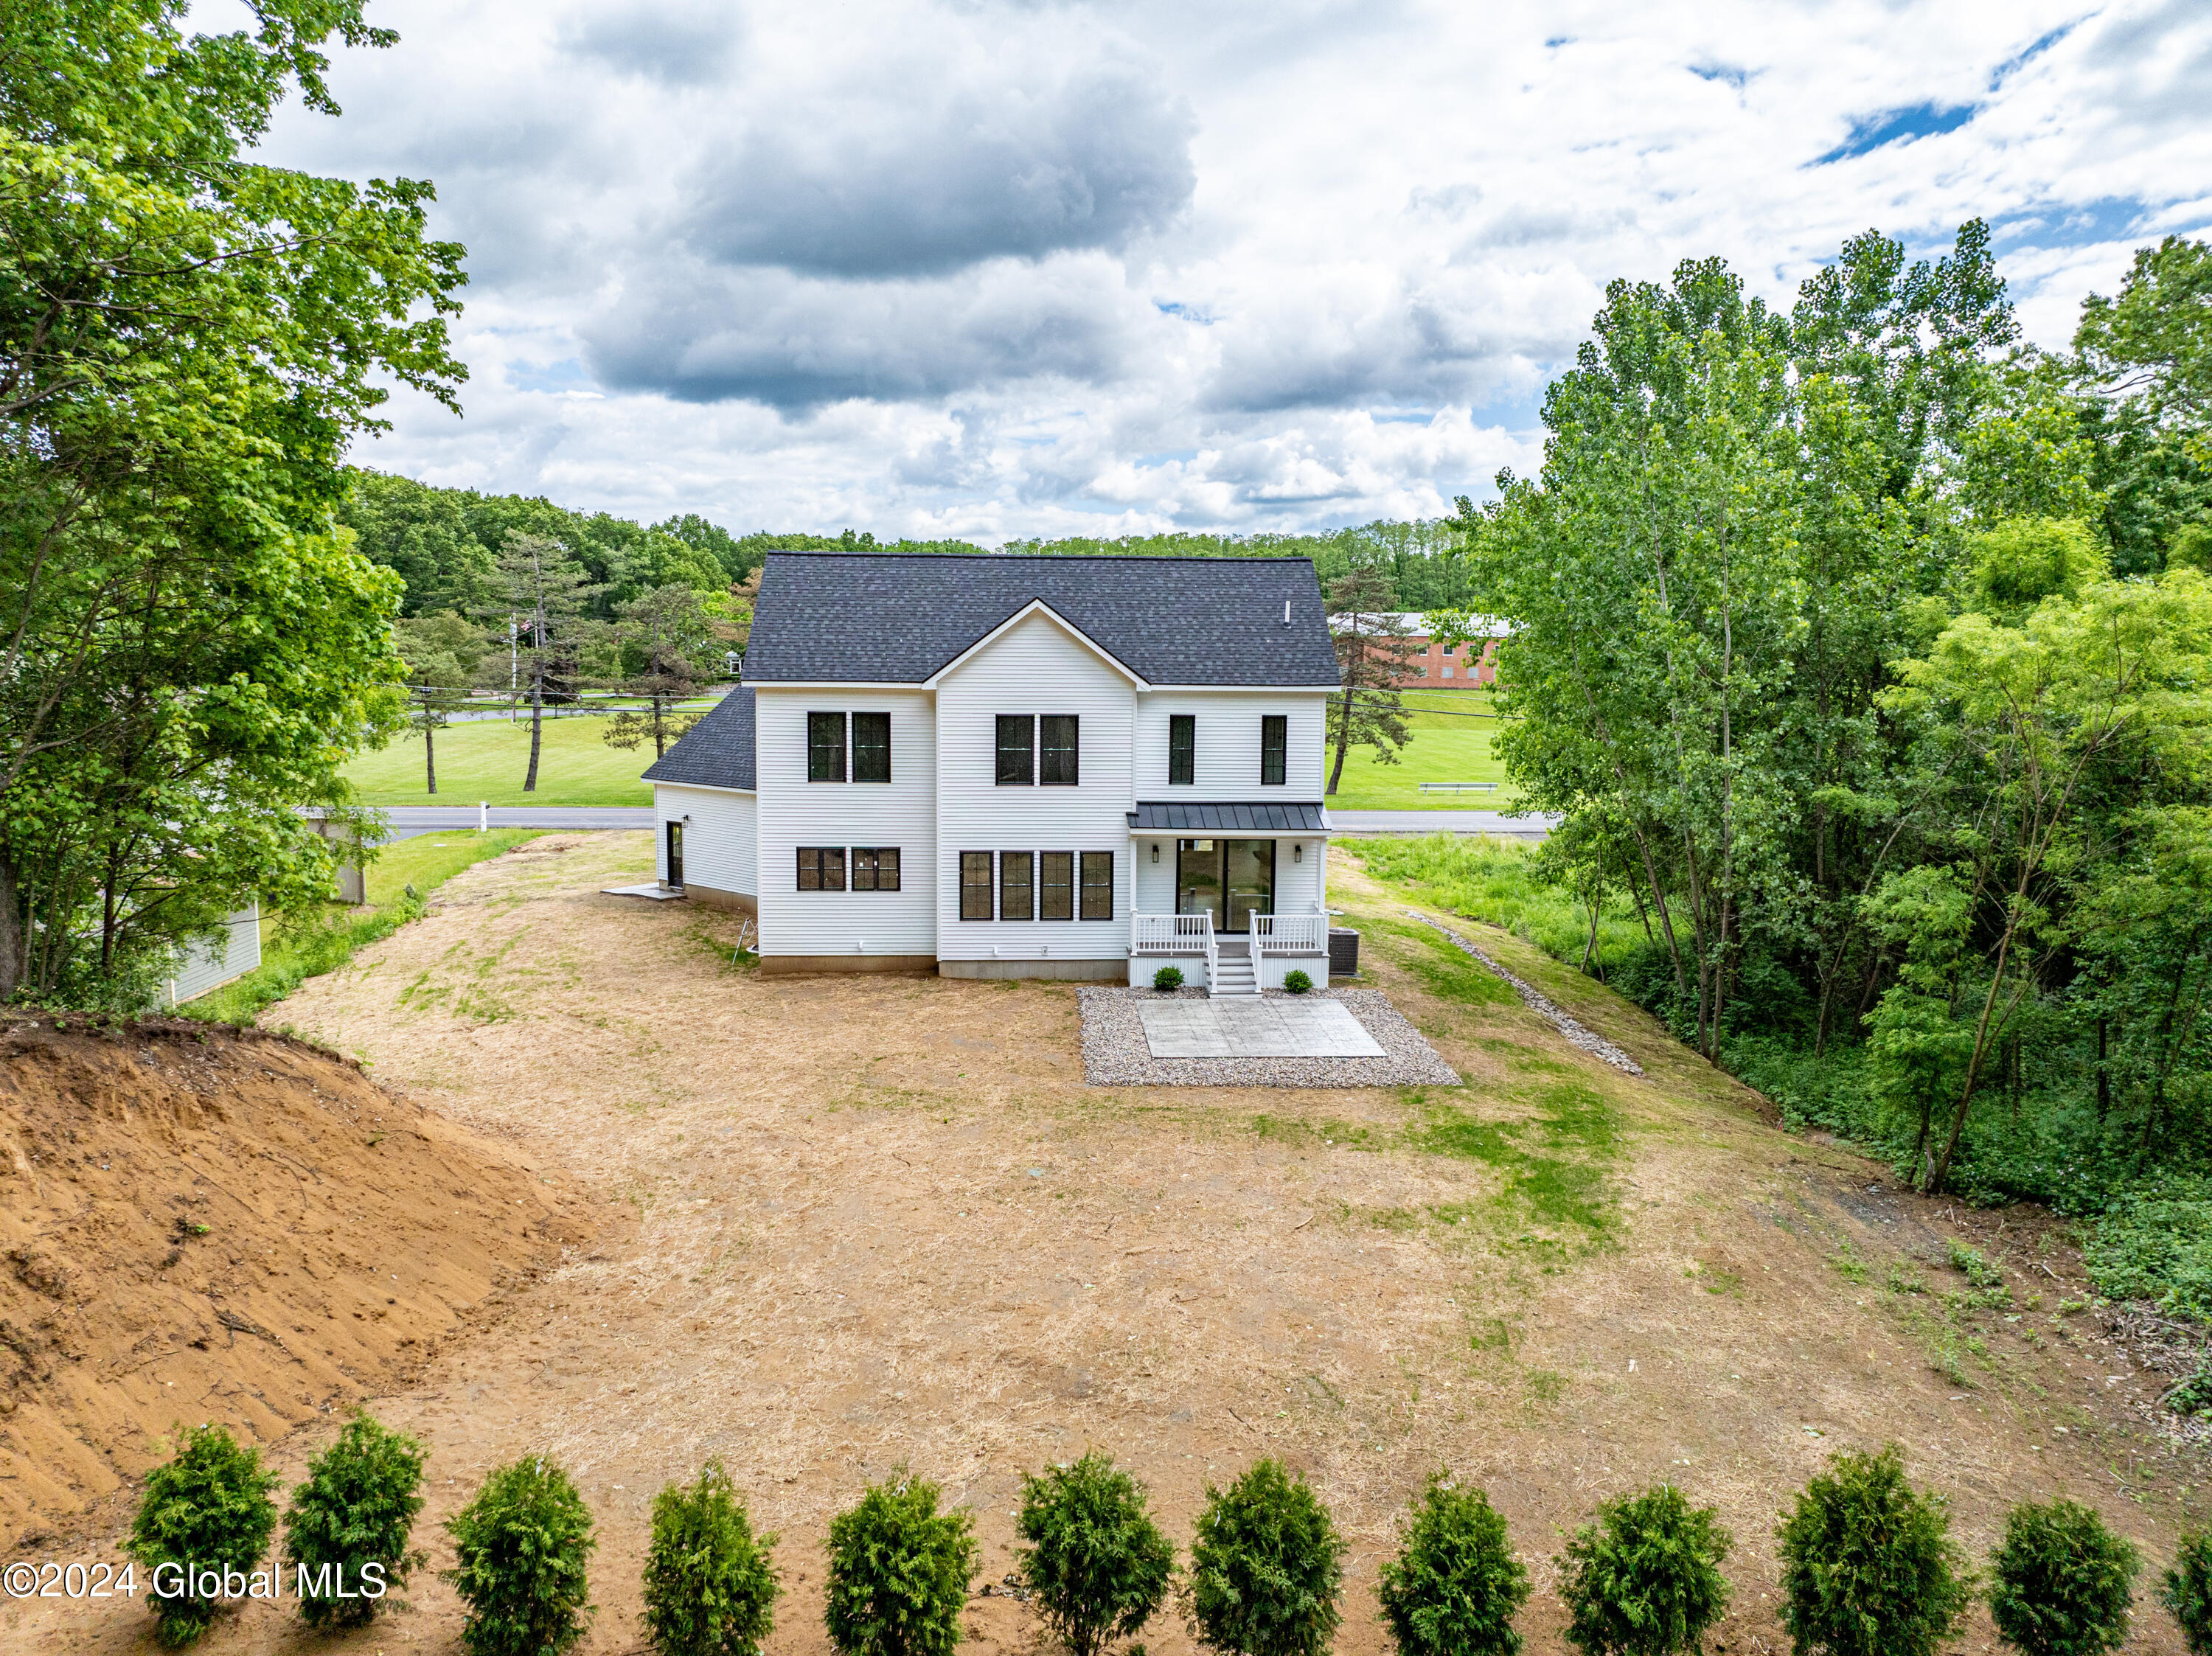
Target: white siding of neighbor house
point(721, 844)
point(1226, 757)
point(1036, 666)
point(794, 812)
point(237, 952)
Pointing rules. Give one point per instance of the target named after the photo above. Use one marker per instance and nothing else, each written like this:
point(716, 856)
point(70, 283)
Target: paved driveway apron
point(1255, 1028)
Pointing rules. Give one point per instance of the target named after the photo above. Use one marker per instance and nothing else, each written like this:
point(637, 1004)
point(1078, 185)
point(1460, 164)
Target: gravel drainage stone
point(1115, 1053)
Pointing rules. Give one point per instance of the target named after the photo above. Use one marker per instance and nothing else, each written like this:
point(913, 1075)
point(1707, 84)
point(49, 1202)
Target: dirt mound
point(199, 1222)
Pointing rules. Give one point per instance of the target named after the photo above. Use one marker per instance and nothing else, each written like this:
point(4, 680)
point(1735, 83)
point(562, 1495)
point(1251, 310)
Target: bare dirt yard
point(857, 1224)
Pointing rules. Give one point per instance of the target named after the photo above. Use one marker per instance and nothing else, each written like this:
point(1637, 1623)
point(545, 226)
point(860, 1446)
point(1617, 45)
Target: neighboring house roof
point(1180, 816)
point(1416, 620)
point(715, 753)
point(891, 618)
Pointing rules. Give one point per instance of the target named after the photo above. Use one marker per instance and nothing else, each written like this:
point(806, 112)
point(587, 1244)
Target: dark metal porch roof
point(1231, 816)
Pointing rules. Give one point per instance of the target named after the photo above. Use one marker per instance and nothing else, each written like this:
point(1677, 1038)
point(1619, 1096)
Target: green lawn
point(488, 761)
point(1445, 748)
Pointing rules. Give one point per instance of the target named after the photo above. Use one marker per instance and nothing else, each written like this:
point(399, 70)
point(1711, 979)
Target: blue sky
point(1002, 269)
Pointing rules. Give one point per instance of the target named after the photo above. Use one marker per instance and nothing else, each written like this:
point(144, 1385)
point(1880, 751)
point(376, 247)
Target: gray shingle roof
point(1199, 816)
point(897, 618)
point(715, 753)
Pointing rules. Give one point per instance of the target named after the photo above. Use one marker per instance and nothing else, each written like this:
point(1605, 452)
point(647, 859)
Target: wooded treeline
point(1866, 652)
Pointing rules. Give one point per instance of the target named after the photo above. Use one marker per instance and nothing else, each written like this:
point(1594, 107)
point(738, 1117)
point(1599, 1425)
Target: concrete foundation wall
point(783, 966)
point(1076, 970)
point(741, 901)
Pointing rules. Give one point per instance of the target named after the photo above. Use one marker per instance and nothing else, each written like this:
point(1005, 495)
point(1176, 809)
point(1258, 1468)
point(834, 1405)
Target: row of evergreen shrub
point(1869, 1565)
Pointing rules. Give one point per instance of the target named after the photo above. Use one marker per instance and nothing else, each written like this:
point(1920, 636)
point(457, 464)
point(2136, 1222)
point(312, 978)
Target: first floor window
point(1056, 885)
point(1056, 750)
point(821, 868)
point(871, 747)
point(875, 868)
point(1016, 887)
point(1097, 885)
point(1274, 749)
point(825, 746)
point(975, 885)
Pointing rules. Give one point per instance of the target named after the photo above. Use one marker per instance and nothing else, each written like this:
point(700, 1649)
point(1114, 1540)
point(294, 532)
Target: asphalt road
point(408, 821)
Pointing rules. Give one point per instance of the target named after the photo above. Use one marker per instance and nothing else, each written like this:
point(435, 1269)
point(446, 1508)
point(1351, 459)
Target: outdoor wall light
point(1156, 851)
point(1298, 854)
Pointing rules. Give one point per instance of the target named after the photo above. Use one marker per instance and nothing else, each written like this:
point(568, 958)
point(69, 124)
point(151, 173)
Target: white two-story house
point(1018, 766)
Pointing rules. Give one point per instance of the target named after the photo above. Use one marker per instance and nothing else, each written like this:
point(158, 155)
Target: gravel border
point(1577, 1034)
point(1115, 1053)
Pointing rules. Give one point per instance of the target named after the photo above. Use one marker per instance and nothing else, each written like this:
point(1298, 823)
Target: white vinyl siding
point(794, 812)
point(202, 967)
point(721, 845)
point(1227, 754)
point(1035, 667)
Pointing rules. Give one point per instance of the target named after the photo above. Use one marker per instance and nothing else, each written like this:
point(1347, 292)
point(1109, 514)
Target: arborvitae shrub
point(898, 1573)
point(710, 1589)
point(2186, 1590)
point(1455, 1586)
point(208, 1509)
point(1168, 980)
point(1296, 982)
point(356, 1509)
point(522, 1548)
point(1869, 1568)
point(1644, 1579)
point(1097, 1563)
point(2061, 1583)
point(1266, 1568)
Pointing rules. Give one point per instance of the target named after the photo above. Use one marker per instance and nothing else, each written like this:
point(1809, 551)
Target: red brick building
point(1457, 667)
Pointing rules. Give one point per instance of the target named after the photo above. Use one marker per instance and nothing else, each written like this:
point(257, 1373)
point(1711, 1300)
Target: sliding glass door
point(1231, 880)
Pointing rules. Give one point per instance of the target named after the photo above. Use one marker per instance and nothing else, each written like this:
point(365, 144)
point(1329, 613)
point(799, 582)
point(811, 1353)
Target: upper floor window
point(1056, 743)
point(1182, 748)
point(1274, 749)
point(871, 748)
point(1016, 751)
point(825, 746)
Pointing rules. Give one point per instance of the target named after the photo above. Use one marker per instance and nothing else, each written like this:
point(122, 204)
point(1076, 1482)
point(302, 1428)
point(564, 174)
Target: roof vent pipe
point(1286, 612)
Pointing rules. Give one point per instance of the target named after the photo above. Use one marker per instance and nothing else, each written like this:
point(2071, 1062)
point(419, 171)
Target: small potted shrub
point(1296, 982)
point(899, 1571)
point(1266, 1568)
point(348, 1523)
point(1096, 1564)
point(1168, 980)
point(207, 1510)
point(1455, 1586)
point(2062, 1583)
point(1645, 1578)
point(2186, 1590)
point(709, 1587)
point(521, 1549)
point(1869, 1568)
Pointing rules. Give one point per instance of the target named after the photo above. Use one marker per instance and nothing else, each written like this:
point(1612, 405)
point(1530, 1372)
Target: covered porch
point(1229, 892)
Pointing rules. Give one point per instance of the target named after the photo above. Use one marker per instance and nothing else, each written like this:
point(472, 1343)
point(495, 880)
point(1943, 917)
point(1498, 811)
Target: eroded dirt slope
point(202, 1223)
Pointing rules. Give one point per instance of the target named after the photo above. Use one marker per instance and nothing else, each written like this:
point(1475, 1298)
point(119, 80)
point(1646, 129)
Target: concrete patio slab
point(1255, 1028)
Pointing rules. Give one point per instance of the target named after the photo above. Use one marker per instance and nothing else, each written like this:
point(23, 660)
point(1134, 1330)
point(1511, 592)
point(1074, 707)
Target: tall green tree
point(667, 641)
point(1374, 650)
point(544, 597)
point(189, 646)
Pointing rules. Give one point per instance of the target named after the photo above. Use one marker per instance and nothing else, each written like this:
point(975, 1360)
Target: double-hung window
point(1097, 885)
point(1274, 749)
point(875, 868)
point(1055, 885)
point(821, 868)
point(1017, 885)
point(1183, 750)
point(1016, 751)
point(975, 885)
point(1056, 750)
point(871, 747)
point(825, 746)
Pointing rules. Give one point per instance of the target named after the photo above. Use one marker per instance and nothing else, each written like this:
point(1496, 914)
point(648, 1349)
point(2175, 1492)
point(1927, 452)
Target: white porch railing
point(1289, 934)
point(1171, 934)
